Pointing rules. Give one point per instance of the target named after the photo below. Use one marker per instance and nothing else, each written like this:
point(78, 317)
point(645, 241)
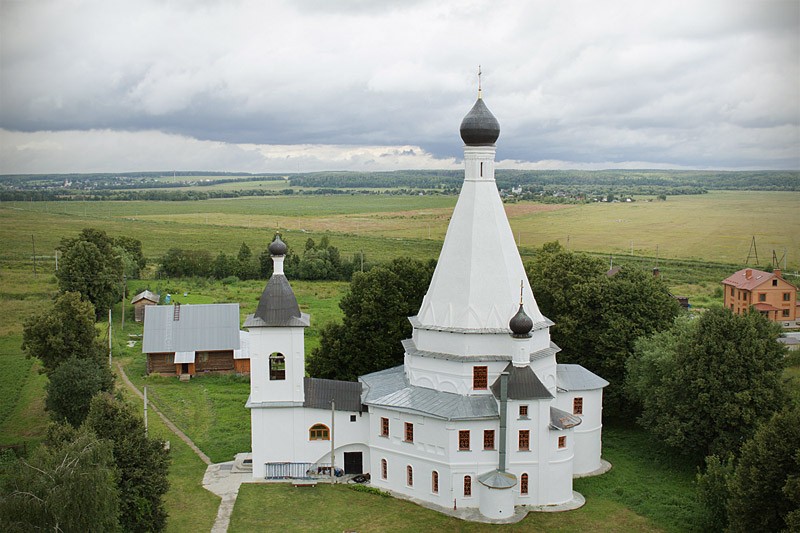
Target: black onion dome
point(277, 246)
point(479, 127)
point(521, 324)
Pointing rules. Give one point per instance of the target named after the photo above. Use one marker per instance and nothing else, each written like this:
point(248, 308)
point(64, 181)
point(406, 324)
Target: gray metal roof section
point(479, 127)
point(523, 384)
point(199, 327)
point(575, 377)
point(277, 306)
point(411, 349)
point(498, 480)
point(146, 295)
point(561, 420)
point(320, 392)
point(546, 323)
point(390, 389)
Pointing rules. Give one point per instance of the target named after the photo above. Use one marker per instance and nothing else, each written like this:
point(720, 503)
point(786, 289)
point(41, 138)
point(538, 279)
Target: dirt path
point(166, 420)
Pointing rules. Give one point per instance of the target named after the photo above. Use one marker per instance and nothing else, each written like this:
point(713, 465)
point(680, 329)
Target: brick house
point(767, 292)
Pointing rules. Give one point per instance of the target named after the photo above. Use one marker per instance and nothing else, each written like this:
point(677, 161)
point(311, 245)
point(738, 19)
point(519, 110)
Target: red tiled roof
point(740, 281)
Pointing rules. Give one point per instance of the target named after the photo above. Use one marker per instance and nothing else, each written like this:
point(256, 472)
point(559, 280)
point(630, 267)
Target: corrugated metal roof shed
point(575, 377)
point(320, 392)
point(198, 328)
point(184, 357)
point(389, 388)
point(244, 346)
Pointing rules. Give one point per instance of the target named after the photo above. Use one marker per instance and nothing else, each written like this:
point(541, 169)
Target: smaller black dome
point(479, 127)
point(521, 324)
point(277, 246)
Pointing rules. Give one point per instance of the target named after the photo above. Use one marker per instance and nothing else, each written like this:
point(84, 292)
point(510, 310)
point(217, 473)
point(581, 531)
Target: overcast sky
point(304, 85)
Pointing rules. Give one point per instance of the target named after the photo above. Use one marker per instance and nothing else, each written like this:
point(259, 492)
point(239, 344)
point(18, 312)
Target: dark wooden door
point(184, 368)
point(353, 463)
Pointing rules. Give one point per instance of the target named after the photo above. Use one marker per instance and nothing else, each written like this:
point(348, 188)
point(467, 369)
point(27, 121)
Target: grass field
point(716, 227)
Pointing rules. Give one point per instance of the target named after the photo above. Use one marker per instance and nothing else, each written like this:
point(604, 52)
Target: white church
point(480, 415)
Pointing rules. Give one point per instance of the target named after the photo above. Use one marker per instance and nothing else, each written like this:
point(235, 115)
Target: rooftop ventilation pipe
point(503, 416)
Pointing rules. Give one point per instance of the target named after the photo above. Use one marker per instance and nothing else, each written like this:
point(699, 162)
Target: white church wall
point(478, 344)
point(449, 376)
point(288, 342)
point(560, 455)
point(588, 435)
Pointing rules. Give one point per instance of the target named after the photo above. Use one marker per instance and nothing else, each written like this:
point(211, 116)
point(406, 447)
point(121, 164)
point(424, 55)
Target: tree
point(142, 463)
point(89, 265)
point(246, 268)
point(178, 263)
point(769, 465)
point(706, 384)
point(133, 250)
point(224, 266)
point(376, 311)
point(71, 388)
point(64, 331)
point(65, 486)
point(598, 317)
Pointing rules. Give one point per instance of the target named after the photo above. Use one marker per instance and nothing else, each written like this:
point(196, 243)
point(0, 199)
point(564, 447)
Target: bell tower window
point(277, 367)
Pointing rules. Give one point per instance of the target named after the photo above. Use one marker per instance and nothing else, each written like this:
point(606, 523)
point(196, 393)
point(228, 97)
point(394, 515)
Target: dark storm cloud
point(694, 84)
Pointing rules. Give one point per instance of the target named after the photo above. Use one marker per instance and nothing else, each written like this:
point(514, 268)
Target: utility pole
point(34, 255)
point(109, 337)
point(333, 421)
point(124, 287)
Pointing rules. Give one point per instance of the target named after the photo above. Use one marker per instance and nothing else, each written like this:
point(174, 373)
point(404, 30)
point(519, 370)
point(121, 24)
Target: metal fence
point(296, 470)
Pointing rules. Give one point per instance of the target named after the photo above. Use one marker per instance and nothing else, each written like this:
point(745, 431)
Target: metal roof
point(575, 377)
point(498, 480)
point(390, 388)
point(563, 420)
point(320, 392)
point(146, 295)
point(411, 349)
point(479, 127)
point(523, 384)
point(756, 278)
point(198, 328)
point(184, 357)
point(277, 306)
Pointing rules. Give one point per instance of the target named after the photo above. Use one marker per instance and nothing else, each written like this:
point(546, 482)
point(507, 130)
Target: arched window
point(409, 476)
point(523, 484)
point(435, 482)
point(277, 367)
point(384, 469)
point(319, 432)
point(467, 486)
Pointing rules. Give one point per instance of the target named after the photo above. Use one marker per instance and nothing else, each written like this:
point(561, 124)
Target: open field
point(716, 227)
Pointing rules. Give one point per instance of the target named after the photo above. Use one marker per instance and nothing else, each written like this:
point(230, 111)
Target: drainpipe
point(503, 417)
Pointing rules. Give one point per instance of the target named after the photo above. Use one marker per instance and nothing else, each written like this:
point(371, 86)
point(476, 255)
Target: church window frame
point(277, 367)
point(319, 432)
point(523, 484)
point(463, 440)
point(384, 426)
point(467, 486)
point(488, 439)
point(384, 469)
point(409, 432)
point(524, 440)
point(562, 442)
point(577, 406)
point(435, 482)
point(480, 377)
point(523, 411)
point(409, 475)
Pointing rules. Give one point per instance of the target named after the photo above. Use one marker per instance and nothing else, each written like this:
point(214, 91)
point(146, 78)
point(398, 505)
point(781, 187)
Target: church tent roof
point(523, 384)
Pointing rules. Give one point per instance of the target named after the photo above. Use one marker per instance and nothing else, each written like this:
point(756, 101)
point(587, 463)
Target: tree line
point(317, 261)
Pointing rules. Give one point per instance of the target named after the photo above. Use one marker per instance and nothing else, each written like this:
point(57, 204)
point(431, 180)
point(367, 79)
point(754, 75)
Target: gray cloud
point(690, 84)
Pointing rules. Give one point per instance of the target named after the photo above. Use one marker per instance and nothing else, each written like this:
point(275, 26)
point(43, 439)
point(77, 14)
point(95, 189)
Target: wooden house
point(142, 300)
point(766, 292)
point(194, 339)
